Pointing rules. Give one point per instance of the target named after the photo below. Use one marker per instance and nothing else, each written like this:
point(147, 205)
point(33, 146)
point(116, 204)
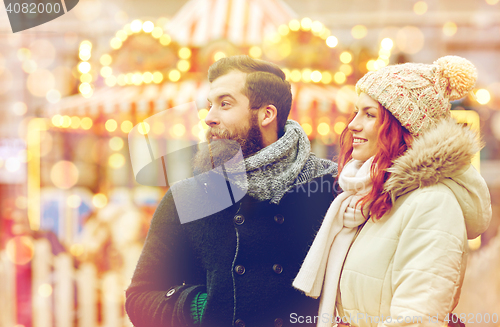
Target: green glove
point(197, 307)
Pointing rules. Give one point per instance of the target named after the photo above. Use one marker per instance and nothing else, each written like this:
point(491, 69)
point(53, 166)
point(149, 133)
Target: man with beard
point(235, 267)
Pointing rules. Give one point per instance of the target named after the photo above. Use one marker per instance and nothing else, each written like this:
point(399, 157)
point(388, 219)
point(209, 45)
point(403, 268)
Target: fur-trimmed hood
point(443, 154)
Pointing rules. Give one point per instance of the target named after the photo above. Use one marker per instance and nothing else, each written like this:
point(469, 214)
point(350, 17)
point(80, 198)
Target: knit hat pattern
point(418, 95)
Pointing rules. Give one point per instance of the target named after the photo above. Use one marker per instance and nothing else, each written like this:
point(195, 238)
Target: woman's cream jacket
point(407, 268)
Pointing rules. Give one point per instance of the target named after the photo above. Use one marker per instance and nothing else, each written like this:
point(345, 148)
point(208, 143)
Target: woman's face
point(364, 128)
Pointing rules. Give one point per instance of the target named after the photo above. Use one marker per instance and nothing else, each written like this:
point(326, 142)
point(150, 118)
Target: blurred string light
point(420, 7)
point(84, 67)
point(450, 28)
point(386, 45)
point(483, 96)
point(359, 31)
point(138, 78)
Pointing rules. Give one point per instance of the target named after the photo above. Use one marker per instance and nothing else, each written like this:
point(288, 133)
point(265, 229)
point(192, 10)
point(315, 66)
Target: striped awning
point(242, 22)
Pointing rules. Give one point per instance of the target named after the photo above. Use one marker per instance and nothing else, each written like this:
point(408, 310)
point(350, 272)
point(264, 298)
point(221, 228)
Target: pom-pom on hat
point(419, 95)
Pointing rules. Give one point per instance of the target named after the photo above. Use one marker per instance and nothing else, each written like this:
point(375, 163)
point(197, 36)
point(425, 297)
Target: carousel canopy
point(242, 22)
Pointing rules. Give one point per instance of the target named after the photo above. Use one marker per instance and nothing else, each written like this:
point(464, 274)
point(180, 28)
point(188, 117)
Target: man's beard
point(227, 145)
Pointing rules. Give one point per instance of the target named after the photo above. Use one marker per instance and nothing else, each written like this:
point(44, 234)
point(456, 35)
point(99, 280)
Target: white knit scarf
point(320, 272)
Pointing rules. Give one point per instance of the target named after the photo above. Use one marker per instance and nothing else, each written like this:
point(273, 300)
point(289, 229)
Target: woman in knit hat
point(411, 200)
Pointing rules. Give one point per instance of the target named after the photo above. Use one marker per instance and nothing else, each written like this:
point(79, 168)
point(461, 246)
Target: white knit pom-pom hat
point(419, 95)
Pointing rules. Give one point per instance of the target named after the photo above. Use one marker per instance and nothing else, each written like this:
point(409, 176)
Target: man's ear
point(269, 115)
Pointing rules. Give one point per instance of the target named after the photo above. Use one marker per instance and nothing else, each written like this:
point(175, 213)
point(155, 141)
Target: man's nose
point(212, 118)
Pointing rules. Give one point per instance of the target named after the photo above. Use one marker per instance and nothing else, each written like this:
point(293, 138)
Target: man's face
point(230, 116)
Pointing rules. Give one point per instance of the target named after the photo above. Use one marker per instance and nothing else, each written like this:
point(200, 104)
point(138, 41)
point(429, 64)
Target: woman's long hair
point(393, 140)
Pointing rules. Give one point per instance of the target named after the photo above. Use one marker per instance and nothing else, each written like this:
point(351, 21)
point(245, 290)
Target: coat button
point(278, 322)
point(239, 219)
point(239, 323)
point(170, 292)
point(279, 219)
point(277, 268)
point(240, 270)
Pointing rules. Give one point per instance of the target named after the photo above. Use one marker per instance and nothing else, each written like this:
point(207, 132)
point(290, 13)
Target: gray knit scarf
point(286, 163)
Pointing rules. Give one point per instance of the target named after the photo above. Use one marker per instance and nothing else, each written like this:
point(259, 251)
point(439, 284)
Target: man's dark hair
point(265, 83)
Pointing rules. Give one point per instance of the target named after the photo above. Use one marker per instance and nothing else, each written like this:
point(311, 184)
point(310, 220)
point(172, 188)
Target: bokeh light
point(64, 174)
point(148, 26)
point(105, 60)
point(20, 249)
point(126, 126)
point(40, 82)
point(450, 28)
point(99, 200)
point(111, 125)
point(143, 128)
point(346, 57)
point(332, 41)
point(74, 201)
point(86, 123)
point(19, 108)
point(483, 96)
point(323, 129)
point(410, 39)
point(116, 143)
point(184, 53)
point(307, 128)
point(359, 31)
point(116, 160)
point(255, 52)
point(420, 7)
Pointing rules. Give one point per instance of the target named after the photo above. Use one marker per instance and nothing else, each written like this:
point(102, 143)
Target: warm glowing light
point(115, 43)
point(316, 76)
point(323, 129)
point(165, 39)
point(410, 39)
point(306, 24)
point(84, 54)
point(370, 65)
point(307, 128)
point(306, 75)
point(287, 73)
point(74, 201)
point(144, 128)
point(85, 88)
point(136, 26)
point(84, 67)
point(183, 65)
point(346, 57)
point(492, 2)
point(483, 96)
point(126, 126)
point(449, 28)
point(85, 45)
point(325, 33)
point(184, 53)
point(387, 44)
point(111, 125)
point(475, 243)
point(359, 31)
point(75, 122)
point(116, 160)
point(23, 54)
point(137, 79)
point(45, 290)
point(106, 71)
point(64, 174)
point(105, 60)
point(53, 96)
point(56, 120)
point(148, 26)
point(174, 75)
point(20, 249)
point(346, 69)
point(157, 77)
point(77, 249)
point(99, 200)
point(283, 30)
point(86, 123)
point(147, 77)
point(339, 78)
point(420, 8)
point(116, 143)
point(219, 55)
point(86, 78)
point(157, 32)
point(178, 130)
point(202, 113)
point(326, 78)
point(29, 66)
point(122, 35)
point(295, 75)
point(332, 41)
point(339, 127)
point(255, 52)
point(316, 27)
point(66, 121)
point(294, 25)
